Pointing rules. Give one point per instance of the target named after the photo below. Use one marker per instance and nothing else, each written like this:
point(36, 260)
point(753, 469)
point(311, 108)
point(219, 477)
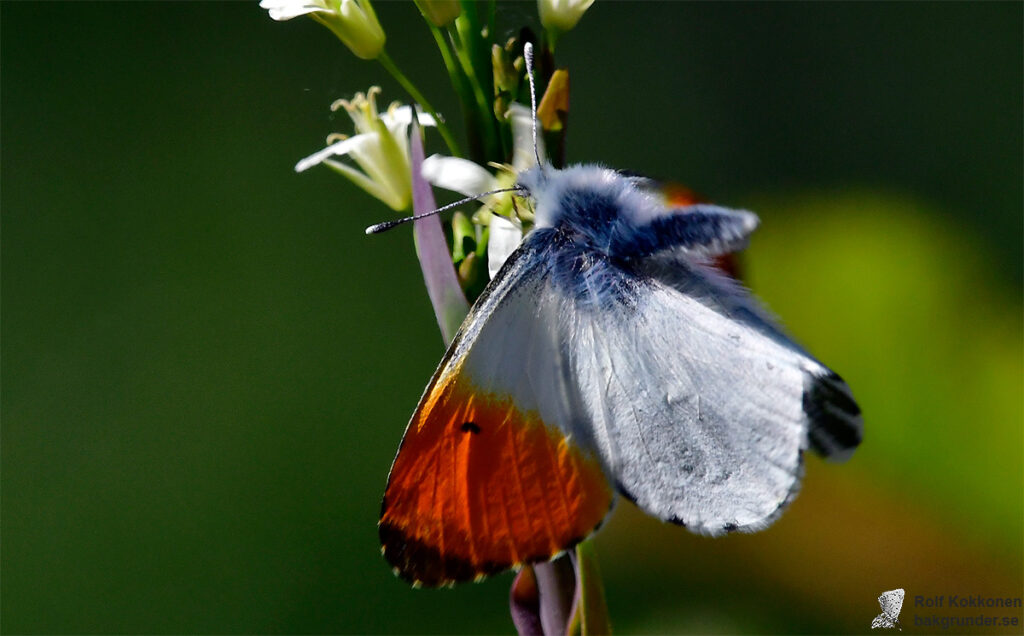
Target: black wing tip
point(836, 424)
point(421, 565)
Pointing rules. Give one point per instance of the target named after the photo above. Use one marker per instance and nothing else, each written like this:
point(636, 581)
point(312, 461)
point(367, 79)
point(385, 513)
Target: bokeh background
point(207, 367)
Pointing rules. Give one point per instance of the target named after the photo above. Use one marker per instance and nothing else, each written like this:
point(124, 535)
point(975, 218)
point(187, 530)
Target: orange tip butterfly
point(606, 356)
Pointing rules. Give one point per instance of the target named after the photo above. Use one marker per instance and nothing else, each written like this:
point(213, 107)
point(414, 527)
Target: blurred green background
point(207, 367)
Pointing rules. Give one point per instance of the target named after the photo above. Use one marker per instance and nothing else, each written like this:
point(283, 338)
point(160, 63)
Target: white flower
point(353, 21)
point(467, 178)
point(380, 147)
point(459, 175)
point(287, 9)
point(502, 239)
point(562, 15)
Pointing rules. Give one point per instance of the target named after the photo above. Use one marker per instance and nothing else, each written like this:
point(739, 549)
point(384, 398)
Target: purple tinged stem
point(524, 603)
point(450, 306)
point(556, 585)
point(545, 597)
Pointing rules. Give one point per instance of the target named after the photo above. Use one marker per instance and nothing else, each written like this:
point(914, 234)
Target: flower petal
point(502, 240)
point(403, 115)
point(460, 175)
point(450, 306)
point(524, 603)
point(287, 9)
point(397, 202)
point(557, 589)
point(342, 147)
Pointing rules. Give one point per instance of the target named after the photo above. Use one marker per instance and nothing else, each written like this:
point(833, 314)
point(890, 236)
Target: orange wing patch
point(480, 486)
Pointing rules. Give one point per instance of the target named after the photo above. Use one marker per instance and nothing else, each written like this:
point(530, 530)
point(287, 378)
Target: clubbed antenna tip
point(528, 56)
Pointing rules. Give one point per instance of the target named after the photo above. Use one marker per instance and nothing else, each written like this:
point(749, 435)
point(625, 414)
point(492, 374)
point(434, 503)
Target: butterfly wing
point(488, 476)
point(891, 602)
point(571, 367)
point(700, 407)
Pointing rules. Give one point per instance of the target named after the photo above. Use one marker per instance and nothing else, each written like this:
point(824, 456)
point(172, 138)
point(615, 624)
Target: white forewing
point(703, 415)
point(510, 342)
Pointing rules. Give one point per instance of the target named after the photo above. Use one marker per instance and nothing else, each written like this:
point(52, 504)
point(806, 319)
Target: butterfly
point(606, 356)
point(891, 603)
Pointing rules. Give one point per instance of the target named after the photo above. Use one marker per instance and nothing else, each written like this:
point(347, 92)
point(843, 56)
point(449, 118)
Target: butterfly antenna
point(528, 56)
point(387, 225)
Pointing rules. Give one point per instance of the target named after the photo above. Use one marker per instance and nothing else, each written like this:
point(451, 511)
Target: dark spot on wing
point(470, 427)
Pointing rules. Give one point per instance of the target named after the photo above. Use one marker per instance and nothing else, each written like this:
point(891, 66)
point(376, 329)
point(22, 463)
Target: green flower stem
point(551, 38)
point(593, 610)
point(492, 11)
point(478, 48)
point(460, 83)
point(467, 43)
point(449, 63)
point(466, 62)
point(389, 65)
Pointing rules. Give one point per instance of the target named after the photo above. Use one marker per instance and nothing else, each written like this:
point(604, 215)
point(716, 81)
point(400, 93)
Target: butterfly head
point(587, 202)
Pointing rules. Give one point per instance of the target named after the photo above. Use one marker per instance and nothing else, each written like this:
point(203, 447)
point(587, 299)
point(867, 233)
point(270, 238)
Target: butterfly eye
point(522, 190)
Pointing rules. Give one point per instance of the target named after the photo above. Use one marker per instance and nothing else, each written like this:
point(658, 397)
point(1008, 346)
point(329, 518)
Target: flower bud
point(357, 27)
point(353, 21)
point(560, 16)
point(439, 12)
